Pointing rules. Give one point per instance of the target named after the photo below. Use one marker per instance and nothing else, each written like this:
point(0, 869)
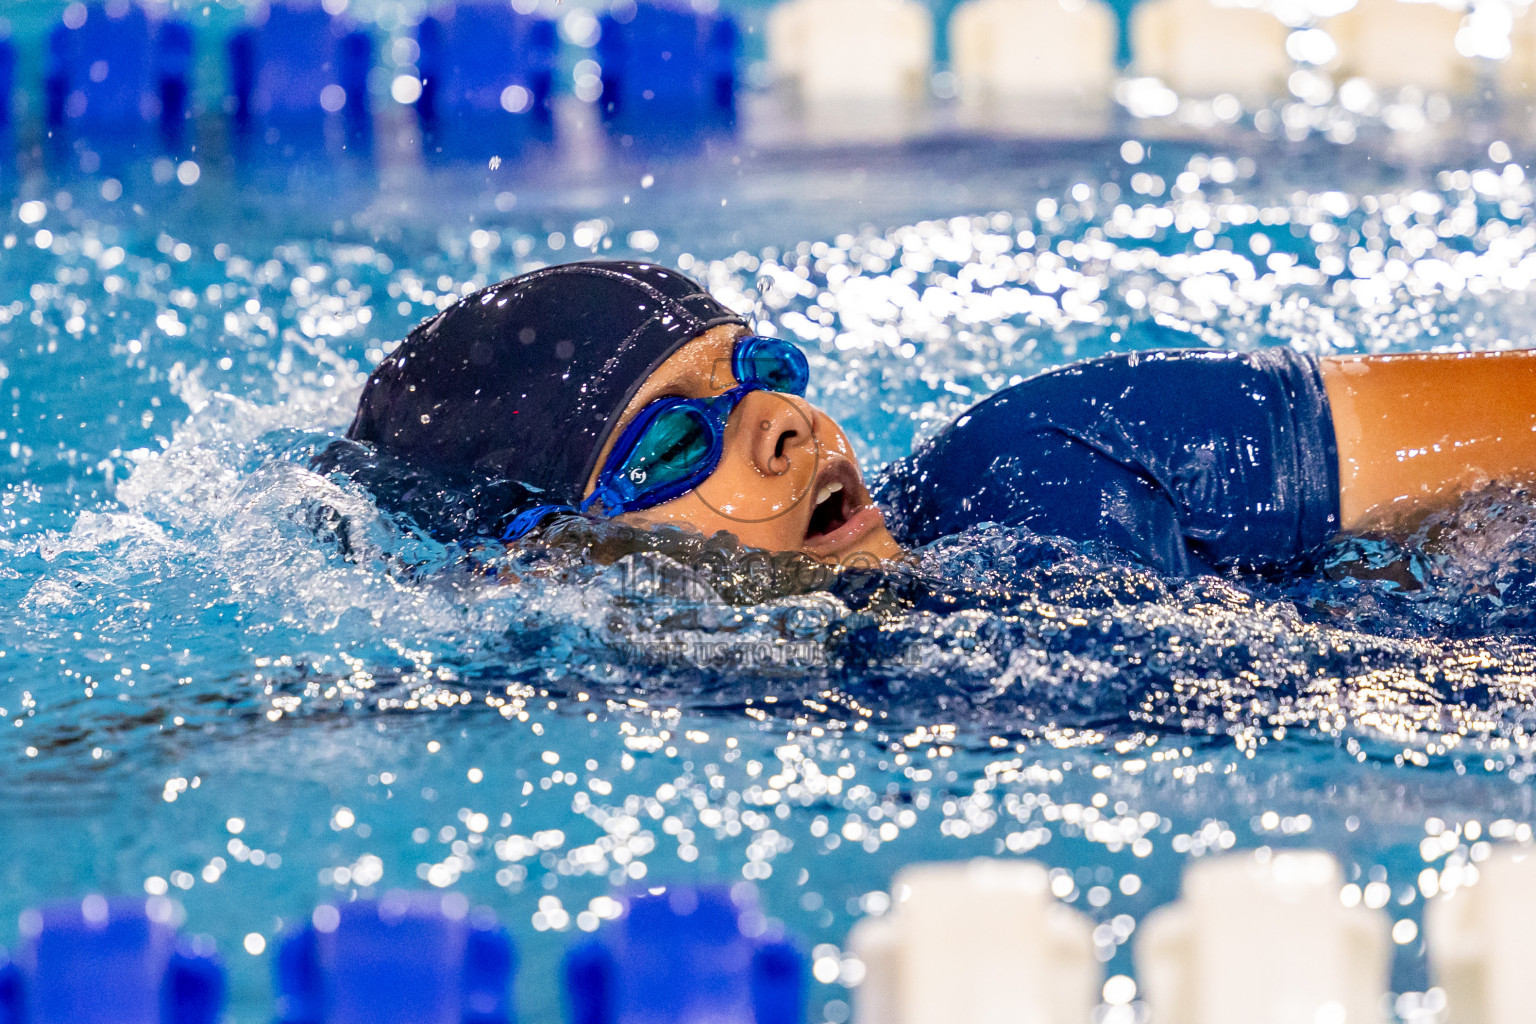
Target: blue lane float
point(295, 68)
point(661, 61)
point(7, 82)
point(103, 961)
point(113, 71)
point(173, 70)
point(7, 77)
point(685, 955)
point(407, 958)
point(487, 77)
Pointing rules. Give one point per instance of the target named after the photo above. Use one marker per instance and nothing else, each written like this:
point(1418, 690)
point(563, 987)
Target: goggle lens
point(771, 363)
point(675, 444)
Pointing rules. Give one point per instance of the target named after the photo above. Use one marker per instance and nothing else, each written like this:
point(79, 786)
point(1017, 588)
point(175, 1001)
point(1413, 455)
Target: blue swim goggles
point(674, 444)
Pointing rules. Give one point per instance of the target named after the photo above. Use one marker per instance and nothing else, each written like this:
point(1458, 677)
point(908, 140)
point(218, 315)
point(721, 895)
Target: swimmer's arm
point(1416, 431)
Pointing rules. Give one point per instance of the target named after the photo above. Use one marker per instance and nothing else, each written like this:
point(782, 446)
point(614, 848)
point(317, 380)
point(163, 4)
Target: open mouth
point(841, 512)
point(830, 510)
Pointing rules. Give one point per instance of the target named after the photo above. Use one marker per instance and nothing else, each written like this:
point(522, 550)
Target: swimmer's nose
point(780, 430)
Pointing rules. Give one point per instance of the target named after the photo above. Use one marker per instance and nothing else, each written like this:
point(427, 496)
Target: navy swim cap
point(524, 380)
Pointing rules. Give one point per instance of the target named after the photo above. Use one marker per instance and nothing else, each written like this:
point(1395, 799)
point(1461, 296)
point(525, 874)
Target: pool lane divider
point(100, 961)
point(292, 69)
point(1481, 941)
point(479, 75)
point(686, 953)
point(484, 80)
point(1276, 935)
point(1265, 936)
point(405, 957)
point(983, 942)
point(113, 71)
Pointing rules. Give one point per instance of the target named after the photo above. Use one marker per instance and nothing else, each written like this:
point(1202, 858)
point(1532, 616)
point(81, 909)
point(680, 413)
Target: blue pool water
point(227, 678)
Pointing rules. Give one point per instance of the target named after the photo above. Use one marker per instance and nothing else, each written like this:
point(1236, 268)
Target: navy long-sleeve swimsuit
point(1186, 459)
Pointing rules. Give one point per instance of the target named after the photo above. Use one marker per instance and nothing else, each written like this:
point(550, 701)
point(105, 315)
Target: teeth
point(827, 492)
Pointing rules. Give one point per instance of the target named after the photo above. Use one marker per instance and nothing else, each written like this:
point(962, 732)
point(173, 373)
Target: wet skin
point(780, 455)
point(1417, 431)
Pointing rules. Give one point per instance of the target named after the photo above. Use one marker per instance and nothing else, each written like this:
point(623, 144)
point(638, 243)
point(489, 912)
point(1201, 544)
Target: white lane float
point(1395, 44)
point(982, 942)
point(1202, 49)
point(1033, 49)
point(1481, 943)
point(829, 51)
point(1264, 938)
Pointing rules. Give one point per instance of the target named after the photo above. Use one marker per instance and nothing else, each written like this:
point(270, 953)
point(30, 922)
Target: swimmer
point(623, 390)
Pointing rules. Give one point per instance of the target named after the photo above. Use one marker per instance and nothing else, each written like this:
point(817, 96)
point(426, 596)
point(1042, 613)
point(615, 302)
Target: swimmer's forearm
point(1415, 431)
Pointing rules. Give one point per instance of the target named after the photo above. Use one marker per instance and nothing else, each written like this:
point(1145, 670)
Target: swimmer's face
point(781, 455)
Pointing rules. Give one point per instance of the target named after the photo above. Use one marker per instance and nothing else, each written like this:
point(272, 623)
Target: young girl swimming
point(624, 390)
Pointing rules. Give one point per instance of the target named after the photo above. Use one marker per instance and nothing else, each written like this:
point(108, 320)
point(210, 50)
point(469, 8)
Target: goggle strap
point(524, 522)
point(604, 499)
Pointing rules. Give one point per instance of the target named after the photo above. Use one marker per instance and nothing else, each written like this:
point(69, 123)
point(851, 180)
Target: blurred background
point(407, 79)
